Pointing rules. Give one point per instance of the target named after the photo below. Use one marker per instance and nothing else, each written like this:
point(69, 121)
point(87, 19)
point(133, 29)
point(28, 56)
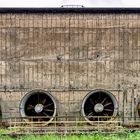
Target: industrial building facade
point(70, 62)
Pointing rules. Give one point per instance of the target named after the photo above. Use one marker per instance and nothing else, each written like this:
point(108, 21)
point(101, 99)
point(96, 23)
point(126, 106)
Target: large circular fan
point(99, 103)
point(39, 104)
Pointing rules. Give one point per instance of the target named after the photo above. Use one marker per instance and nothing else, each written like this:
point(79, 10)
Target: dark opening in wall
point(39, 104)
point(138, 108)
point(99, 105)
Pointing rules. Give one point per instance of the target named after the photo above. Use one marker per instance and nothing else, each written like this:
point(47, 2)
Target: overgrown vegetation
point(124, 136)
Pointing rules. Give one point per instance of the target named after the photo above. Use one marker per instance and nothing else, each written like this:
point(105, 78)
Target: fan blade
point(44, 113)
point(34, 100)
point(38, 98)
point(105, 114)
point(91, 101)
point(108, 109)
point(107, 104)
point(29, 107)
point(99, 96)
point(103, 100)
point(90, 114)
point(95, 102)
point(43, 101)
point(48, 105)
point(49, 110)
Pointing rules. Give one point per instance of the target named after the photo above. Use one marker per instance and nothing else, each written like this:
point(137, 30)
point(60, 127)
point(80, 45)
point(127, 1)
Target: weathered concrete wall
point(69, 55)
point(69, 51)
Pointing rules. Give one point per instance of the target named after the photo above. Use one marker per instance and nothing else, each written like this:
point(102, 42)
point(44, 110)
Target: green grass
point(126, 136)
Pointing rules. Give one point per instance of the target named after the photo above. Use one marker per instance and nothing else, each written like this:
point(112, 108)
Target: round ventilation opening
point(38, 104)
point(138, 108)
point(99, 105)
